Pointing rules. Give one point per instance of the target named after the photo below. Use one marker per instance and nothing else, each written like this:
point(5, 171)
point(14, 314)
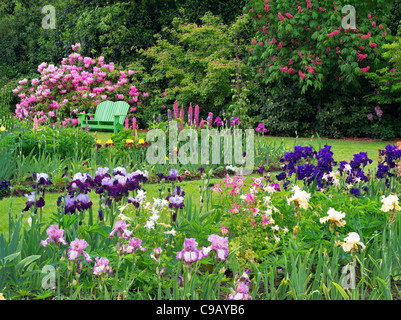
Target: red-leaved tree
point(306, 41)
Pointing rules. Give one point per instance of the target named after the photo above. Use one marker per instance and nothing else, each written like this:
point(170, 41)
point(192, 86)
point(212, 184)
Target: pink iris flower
point(241, 293)
point(54, 235)
point(102, 266)
point(190, 253)
point(133, 245)
point(77, 248)
point(121, 228)
point(219, 245)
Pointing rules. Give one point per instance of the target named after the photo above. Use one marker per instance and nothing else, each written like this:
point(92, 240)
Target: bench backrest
point(106, 111)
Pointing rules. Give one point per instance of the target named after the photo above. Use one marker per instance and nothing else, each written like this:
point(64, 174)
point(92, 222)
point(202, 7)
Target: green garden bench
point(109, 115)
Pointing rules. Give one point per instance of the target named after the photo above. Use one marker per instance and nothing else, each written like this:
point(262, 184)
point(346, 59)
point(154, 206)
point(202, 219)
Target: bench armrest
point(83, 115)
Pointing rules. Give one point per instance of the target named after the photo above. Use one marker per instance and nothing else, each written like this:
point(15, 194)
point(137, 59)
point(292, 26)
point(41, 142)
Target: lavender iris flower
point(191, 254)
point(173, 173)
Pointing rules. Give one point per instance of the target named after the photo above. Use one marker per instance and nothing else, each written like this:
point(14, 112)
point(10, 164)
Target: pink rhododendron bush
point(77, 85)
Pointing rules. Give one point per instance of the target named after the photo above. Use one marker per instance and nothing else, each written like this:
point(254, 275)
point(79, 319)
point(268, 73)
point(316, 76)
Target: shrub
point(306, 44)
point(195, 64)
point(78, 85)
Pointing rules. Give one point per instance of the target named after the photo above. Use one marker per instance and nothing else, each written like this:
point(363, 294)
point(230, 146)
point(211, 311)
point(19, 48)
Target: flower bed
point(247, 238)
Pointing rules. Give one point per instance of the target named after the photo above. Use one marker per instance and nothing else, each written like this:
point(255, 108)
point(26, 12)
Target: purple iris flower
point(355, 192)
point(173, 173)
point(108, 181)
point(218, 122)
point(176, 202)
point(191, 254)
point(84, 201)
point(43, 179)
point(40, 203)
point(261, 127)
point(120, 170)
point(30, 201)
point(70, 204)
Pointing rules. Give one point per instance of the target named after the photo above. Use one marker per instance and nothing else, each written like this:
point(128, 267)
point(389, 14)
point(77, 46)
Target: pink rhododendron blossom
point(77, 78)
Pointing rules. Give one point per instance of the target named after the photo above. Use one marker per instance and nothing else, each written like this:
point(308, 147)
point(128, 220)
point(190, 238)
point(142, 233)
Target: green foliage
point(304, 45)
point(395, 17)
point(285, 112)
point(66, 142)
point(387, 81)
point(344, 116)
point(195, 63)
point(20, 138)
point(114, 29)
point(7, 99)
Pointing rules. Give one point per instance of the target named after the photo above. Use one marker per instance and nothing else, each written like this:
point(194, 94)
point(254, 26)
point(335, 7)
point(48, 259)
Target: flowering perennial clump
point(55, 235)
point(191, 253)
point(77, 248)
point(102, 266)
point(351, 242)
